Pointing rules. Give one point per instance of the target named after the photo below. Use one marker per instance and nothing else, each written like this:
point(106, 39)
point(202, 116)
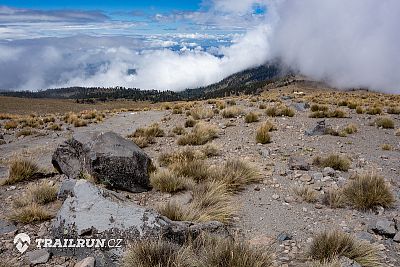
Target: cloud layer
point(346, 43)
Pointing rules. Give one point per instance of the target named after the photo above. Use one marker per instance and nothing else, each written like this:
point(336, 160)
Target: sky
point(174, 45)
point(110, 5)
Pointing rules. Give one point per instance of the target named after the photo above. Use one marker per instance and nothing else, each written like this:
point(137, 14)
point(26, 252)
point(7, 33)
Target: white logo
point(22, 242)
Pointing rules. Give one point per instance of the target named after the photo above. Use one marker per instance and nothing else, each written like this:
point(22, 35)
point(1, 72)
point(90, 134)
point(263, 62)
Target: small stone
point(326, 179)
point(87, 262)
point(275, 196)
point(380, 210)
point(283, 237)
point(257, 188)
point(328, 171)
point(318, 176)
point(346, 262)
point(39, 256)
point(306, 178)
point(264, 152)
point(6, 227)
point(396, 238)
point(381, 247)
point(289, 199)
point(319, 206)
point(365, 236)
point(385, 228)
point(298, 164)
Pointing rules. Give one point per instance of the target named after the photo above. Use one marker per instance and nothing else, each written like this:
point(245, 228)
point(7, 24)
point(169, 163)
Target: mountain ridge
point(249, 81)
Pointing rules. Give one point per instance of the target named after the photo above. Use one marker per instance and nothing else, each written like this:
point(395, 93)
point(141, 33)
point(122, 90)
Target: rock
point(38, 256)
point(6, 227)
point(1, 136)
point(396, 238)
point(379, 210)
point(264, 152)
point(319, 206)
point(328, 171)
point(107, 157)
point(320, 129)
point(341, 181)
point(385, 228)
point(306, 178)
point(318, 176)
point(86, 262)
point(298, 164)
point(103, 214)
point(275, 196)
point(289, 199)
point(396, 220)
point(301, 106)
point(66, 189)
point(286, 97)
point(283, 237)
point(365, 236)
point(346, 262)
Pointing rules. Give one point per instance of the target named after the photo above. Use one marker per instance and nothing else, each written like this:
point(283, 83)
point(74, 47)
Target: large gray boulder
point(93, 213)
point(107, 157)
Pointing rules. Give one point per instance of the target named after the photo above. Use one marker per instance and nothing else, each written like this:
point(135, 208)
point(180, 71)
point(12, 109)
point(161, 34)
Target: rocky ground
point(270, 213)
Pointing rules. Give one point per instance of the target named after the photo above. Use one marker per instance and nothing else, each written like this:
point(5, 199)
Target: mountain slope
point(245, 82)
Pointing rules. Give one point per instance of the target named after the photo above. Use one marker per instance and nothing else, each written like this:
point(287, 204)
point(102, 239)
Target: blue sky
point(160, 5)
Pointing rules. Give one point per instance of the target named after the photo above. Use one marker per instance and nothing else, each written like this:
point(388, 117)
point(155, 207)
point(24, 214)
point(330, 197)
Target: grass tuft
point(222, 252)
point(165, 180)
point(21, 170)
point(385, 123)
point(280, 110)
point(236, 174)
point(186, 154)
point(42, 193)
point(190, 123)
point(30, 213)
point(251, 117)
point(179, 130)
point(198, 170)
point(211, 202)
point(262, 133)
point(231, 112)
point(368, 191)
point(334, 198)
point(387, 147)
point(334, 161)
point(201, 113)
point(329, 245)
point(204, 251)
point(156, 253)
point(306, 193)
point(350, 129)
point(200, 135)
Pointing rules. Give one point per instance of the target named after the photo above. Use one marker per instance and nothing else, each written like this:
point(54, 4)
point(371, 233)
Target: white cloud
point(347, 43)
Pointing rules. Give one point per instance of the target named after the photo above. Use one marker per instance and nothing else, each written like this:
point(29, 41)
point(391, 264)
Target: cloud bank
point(346, 43)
